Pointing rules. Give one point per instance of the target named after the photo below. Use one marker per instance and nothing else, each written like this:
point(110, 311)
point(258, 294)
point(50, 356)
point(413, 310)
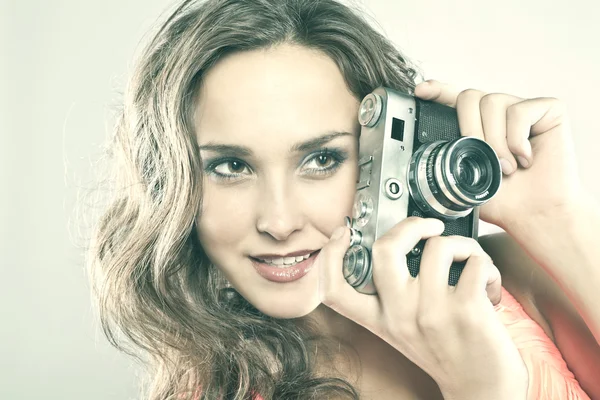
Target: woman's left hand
point(531, 137)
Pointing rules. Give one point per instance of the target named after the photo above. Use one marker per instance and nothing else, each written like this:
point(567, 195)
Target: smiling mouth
point(283, 262)
point(275, 269)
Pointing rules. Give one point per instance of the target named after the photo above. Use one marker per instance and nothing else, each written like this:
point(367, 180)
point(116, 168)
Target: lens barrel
point(448, 178)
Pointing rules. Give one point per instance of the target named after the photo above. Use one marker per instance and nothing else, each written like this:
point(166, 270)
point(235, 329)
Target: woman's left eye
point(323, 163)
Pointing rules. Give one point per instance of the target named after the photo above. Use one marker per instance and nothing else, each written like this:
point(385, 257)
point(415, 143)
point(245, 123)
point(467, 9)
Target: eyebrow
point(242, 151)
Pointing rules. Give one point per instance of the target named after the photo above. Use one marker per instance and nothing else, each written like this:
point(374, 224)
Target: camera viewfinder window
point(398, 129)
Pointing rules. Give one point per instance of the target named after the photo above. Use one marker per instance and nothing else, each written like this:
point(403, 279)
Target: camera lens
point(472, 172)
point(468, 172)
point(448, 179)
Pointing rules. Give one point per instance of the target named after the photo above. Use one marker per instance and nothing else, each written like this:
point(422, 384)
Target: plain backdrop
point(63, 65)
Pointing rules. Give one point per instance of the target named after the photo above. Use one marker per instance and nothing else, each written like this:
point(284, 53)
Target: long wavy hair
point(159, 297)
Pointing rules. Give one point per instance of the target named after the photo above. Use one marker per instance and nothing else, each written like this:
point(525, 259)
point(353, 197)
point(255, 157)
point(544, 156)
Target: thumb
point(335, 292)
point(438, 92)
point(338, 233)
point(329, 263)
point(334, 250)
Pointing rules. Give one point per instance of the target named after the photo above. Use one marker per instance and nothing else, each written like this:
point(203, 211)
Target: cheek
point(223, 217)
point(328, 205)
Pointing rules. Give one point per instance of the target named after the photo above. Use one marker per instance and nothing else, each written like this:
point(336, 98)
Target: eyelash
point(338, 157)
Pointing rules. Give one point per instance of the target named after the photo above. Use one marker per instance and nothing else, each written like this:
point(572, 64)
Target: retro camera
point(414, 162)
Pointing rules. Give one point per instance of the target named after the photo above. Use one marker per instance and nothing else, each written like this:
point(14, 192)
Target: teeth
point(277, 261)
point(285, 261)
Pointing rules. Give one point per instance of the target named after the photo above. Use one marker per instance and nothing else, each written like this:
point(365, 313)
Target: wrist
point(561, 219)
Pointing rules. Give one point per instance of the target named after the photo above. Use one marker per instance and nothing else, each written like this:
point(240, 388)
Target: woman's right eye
point(228, 169)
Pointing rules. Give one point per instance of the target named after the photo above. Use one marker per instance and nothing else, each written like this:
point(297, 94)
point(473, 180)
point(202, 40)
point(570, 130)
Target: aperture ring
point(419, 187)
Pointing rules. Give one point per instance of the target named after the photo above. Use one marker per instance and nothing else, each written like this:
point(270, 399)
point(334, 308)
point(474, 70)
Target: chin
point(280, 300)
point(284, 308)
point(289, 312)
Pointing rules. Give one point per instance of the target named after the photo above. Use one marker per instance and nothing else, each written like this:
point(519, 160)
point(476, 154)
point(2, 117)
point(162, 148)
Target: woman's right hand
point(452, 333)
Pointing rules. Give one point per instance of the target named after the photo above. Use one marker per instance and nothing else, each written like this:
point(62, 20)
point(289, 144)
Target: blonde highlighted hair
point(159, 298)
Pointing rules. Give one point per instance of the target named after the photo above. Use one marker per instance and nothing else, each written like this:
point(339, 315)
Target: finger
point(493, 117)
point(438, 92)
point(469, 114)
point(334, 290)
point(493, 286)
point(480, 278)
point(531, 117)
point(438, 255)
point(404, 232)
point(390, 271)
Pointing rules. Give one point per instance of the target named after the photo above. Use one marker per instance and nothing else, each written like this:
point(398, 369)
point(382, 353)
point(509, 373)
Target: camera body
point(414, 162)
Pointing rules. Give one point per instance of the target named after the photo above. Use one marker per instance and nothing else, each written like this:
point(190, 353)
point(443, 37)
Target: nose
point(280, 212)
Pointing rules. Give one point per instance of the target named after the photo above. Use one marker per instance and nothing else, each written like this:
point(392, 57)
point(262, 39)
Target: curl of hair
point(156, 291)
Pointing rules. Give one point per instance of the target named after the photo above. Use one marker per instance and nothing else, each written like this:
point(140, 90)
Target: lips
point(282, 272)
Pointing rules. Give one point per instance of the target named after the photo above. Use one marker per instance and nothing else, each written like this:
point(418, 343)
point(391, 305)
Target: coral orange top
point(549, 376)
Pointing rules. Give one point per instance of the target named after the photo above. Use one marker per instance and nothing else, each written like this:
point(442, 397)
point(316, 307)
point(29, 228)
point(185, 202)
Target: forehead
point(285, 92)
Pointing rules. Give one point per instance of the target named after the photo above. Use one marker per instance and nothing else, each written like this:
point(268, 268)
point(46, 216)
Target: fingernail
point(523, 161)
point(442, 225)
point(507, 167)
point(526, 149)
point(338, 233)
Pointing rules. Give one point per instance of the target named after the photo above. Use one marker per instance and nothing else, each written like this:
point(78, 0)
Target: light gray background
point(63, 65)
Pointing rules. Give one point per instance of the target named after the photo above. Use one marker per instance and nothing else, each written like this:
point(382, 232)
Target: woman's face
point(278, 136)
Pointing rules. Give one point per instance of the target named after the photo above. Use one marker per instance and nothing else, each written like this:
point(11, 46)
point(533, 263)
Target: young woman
point(220, 257)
